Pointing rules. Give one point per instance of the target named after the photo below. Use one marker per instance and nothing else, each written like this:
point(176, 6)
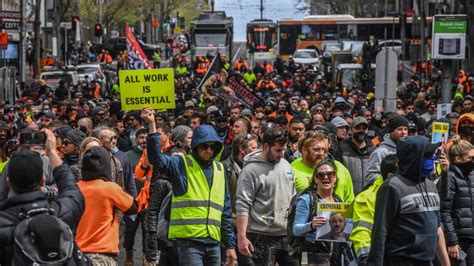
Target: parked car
point(307, 57)
point(116, 45)
point(395, 45)
point(71, 77)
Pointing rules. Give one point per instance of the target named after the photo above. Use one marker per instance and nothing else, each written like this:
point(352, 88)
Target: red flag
point(136, 57)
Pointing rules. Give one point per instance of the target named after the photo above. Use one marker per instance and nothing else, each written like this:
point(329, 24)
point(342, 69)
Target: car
point(71, 77)
point(308, 57)
point(116, 45)
point(395, 45)
point(349, 75)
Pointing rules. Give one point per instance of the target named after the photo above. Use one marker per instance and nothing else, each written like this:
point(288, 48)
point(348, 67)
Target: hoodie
point(264, 192)
point(388, 146)
point(174, 167)
point(407, 215)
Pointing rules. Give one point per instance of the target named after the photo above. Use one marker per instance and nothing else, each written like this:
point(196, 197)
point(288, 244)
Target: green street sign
point(450, 24)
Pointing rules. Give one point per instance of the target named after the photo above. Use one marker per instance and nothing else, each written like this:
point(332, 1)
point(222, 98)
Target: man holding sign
point(153, 88)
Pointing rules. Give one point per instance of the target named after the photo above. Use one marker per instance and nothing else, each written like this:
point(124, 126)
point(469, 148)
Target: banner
point(440, 132)
point(243, 93)
point(136, 57)
point(153, 88)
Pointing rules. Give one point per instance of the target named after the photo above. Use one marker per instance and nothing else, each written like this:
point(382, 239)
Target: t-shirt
point(98, 229)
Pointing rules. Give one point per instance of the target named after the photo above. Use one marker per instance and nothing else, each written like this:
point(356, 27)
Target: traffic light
point(75, 22)
point(99, 31)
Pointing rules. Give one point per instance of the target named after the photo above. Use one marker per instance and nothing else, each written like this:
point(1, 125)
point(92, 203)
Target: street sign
point(10, 14)
point(10, 25)
point(66, 25)
point(386, 80)
point(442, 110)
point(449, 37)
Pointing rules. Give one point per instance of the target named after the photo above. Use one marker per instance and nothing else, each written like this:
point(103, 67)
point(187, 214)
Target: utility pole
point(470, 41)
point(403, 20)
point(22, 63)
point(261, 9)
point(212, 5)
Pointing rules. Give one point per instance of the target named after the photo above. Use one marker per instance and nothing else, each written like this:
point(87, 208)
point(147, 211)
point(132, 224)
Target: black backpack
point(296, 243)
point(164, 221)
point(41, 238)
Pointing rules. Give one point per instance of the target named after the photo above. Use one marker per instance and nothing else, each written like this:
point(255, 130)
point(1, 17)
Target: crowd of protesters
point(231, 166)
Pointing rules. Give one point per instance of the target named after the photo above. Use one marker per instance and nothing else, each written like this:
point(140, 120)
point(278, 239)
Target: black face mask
point(465, 168)
point(360, 136)
point(465, 130)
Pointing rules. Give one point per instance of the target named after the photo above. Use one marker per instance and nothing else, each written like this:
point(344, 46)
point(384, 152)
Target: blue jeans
point(197, 254)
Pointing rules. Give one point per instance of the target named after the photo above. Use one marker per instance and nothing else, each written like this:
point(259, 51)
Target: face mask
point(427, 166)
point(465, 130)
point(465, 168)
point(360, 136)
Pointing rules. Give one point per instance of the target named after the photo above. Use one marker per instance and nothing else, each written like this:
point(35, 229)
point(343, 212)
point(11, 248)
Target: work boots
point(129, 258)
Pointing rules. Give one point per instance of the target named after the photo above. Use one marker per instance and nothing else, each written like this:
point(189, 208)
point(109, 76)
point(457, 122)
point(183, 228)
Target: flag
point(136, 57)
point(214, 68)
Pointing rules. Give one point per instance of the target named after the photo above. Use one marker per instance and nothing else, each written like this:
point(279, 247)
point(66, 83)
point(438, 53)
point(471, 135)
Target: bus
point(312, 32)
point(261, 37)
point(212, 32)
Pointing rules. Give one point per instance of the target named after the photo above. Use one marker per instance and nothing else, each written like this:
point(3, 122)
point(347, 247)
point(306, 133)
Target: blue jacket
point(174, 167)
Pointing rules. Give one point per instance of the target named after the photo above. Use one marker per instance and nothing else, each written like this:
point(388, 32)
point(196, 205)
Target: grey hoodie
point(387, 147)
point(264, 192)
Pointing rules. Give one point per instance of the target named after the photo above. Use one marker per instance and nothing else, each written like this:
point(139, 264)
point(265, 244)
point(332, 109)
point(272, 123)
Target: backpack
point(164, 221)
point(296, 243)
point(34, 242)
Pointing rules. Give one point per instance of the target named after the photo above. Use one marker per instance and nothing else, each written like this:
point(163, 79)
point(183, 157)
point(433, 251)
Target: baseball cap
point(48, 113)
point(211, 109)
point(189, 104)
point(358, 121)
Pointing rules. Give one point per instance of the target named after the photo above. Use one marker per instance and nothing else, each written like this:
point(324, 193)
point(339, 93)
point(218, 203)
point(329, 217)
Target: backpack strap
point(313, 202)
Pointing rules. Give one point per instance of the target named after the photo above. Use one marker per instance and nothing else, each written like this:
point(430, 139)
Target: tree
point(60, 7)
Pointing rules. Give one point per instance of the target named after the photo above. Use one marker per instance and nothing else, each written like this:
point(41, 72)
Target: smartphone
point(33, 138)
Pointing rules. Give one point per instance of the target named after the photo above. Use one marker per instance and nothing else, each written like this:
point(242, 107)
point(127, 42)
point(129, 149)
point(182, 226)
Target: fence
point(8, 88)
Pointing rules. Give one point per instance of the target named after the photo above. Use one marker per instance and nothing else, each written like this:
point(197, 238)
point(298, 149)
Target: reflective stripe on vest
point(364, 224)
point(362, 251)
point(198, 212)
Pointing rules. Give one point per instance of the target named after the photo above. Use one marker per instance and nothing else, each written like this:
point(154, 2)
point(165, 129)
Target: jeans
point(268, 250)
point(467, 245)
point(131, 228)
point(198, 254)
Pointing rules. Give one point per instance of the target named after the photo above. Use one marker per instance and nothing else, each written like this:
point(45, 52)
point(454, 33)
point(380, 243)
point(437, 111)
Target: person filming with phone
point(32, 141)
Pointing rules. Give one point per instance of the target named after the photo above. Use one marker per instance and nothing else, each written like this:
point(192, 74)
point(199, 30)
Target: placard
point(153, 88)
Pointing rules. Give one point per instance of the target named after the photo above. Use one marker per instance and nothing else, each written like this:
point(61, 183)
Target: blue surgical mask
point(427, 166)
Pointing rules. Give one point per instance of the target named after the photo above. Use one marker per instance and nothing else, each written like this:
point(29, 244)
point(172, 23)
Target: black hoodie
point(407, 216)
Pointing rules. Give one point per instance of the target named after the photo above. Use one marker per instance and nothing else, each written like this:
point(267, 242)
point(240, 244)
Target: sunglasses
point(321, 175)
point(206, 146)
point(318, 110)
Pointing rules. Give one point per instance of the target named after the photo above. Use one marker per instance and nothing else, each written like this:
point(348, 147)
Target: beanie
point(397, 121)
point(62, 131)
point(25, 169)
point(179, 134)
point(76, 136)
point(96, 164)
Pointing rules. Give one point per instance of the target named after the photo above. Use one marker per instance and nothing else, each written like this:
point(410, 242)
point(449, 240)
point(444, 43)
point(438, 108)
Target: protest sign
point(153, 88)
point(440, 132)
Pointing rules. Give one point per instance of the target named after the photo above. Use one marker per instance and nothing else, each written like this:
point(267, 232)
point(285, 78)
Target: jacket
point(388, 146)
point(457, 205)
point(69, 206)
point(232, 169)
point(355, 160)
point(363, 218)
point(174, 167)
point(407, 218)
point(264, 192)
point(129, 181)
